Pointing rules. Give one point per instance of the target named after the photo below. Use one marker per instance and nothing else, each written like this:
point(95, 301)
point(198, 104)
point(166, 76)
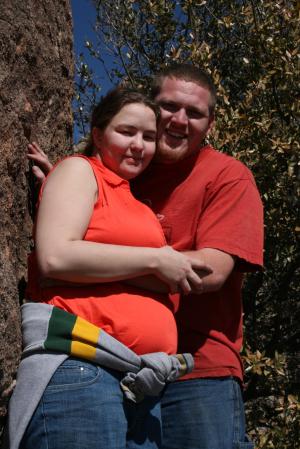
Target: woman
point(91, 235)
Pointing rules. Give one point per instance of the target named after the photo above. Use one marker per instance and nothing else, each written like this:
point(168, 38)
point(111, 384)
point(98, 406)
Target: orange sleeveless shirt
point(140, 319)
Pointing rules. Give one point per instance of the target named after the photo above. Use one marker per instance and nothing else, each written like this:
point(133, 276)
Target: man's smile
point(176, 134)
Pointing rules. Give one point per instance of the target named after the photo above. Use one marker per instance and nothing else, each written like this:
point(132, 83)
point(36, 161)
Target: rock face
point(36, 86)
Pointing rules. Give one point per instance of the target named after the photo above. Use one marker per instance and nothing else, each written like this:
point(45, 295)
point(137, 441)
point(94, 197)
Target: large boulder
point(36, 87)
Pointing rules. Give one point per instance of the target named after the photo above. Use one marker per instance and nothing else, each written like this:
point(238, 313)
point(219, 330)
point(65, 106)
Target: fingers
point(38, 174)
point(185, 287)
point(173, 288)
point(182, 287)
point(182, 273)
point(190, 283)
point(201, 267)
point(196, 281)
point(36, 154)
point(203, 273)
point(35, 149)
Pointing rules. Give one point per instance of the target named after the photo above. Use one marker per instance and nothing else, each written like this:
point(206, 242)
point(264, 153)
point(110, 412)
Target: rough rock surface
point(36, 86)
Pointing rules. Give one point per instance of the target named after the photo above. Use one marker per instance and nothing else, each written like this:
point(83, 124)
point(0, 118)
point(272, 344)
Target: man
point(208, 206)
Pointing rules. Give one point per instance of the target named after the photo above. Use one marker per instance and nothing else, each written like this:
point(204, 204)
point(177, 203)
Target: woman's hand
point(42, 164)
point(64, 214)
point(179, 271)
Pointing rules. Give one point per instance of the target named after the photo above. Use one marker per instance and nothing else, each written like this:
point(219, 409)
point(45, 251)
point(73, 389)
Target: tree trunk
point(36, 75)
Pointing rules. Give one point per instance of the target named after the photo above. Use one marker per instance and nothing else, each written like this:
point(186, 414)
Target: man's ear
point(97, 137)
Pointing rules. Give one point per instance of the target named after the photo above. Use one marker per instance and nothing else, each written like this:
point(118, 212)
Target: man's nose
point(180, 117)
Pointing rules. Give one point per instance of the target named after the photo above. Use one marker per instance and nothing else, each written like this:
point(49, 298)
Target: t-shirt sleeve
point(232, 218)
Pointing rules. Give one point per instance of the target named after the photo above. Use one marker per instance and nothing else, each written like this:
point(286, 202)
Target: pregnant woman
point(92, 239)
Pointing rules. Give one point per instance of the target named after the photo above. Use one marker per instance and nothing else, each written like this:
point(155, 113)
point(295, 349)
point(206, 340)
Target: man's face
point(185, 119)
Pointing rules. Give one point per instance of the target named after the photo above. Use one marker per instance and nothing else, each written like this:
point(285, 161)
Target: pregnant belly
point(144, 324)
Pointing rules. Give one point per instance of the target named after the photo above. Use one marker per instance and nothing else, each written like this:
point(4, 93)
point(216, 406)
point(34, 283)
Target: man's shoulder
point(223, 163)
point(217, 156)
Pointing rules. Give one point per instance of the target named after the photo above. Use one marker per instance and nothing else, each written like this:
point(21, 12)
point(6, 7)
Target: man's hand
point(42, 164)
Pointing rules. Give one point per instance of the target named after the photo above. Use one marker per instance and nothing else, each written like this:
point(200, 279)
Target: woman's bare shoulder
point(72, 172)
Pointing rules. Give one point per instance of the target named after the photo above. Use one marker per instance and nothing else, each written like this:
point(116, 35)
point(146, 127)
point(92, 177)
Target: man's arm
point(221, 263)
point(64, 213)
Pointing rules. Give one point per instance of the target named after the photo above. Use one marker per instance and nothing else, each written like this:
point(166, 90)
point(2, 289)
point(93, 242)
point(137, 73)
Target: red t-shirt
point(209, 200)
point(134, 316)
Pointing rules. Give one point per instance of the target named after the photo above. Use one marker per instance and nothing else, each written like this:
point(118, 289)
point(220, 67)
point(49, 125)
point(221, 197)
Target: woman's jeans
point(83, 407)
point(204, 414)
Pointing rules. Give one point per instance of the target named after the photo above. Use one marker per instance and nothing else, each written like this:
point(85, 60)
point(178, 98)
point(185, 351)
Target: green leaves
point(251, 50)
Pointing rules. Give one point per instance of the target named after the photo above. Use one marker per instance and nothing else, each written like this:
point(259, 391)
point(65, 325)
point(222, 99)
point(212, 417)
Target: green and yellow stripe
point(72, 335)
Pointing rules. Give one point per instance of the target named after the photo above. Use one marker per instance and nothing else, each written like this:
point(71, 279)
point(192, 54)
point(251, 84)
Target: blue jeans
point(83, 407)
point(204, 414)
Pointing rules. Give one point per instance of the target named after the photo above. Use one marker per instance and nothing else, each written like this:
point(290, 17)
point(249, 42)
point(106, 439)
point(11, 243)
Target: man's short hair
point(186, 72)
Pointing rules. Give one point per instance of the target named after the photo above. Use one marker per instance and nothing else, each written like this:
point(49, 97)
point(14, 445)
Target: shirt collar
point(109, 176)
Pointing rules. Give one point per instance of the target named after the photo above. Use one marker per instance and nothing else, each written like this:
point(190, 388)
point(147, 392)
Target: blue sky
point(83, 19)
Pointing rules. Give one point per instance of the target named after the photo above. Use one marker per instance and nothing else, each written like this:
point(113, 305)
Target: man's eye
point(170, 107)
point(193, 114)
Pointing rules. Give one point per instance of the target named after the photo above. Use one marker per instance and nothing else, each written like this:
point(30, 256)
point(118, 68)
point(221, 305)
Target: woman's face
point(127, 144)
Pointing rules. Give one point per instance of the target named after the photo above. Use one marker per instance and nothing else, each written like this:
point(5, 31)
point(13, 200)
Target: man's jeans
point(83, 407)
point(204, 414)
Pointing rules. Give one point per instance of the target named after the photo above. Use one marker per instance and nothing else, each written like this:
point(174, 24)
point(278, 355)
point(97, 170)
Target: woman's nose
point(137, 143)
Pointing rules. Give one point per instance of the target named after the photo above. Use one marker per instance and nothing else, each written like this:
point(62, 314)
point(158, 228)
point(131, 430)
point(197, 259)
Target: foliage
point(251, 49)
point(273, 411)
point(86, 94)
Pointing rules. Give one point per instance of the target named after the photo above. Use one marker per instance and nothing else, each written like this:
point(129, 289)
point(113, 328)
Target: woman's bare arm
point(63, 217)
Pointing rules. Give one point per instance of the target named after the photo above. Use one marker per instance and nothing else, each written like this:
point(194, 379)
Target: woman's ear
point(97, 137)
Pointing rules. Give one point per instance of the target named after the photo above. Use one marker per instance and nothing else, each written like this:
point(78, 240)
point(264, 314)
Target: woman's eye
point(150, 138)
point(126, 132)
